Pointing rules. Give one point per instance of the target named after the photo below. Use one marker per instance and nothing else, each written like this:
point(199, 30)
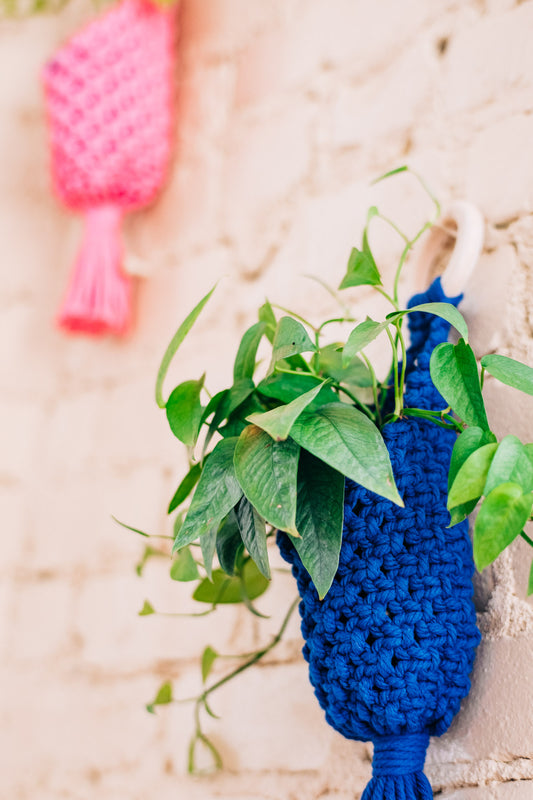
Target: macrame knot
point(399, 755)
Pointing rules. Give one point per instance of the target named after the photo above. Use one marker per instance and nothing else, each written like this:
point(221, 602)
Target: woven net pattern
point(391, 646)
point(109, 97)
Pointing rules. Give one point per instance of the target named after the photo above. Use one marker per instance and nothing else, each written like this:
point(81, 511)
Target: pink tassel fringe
point(98, 297)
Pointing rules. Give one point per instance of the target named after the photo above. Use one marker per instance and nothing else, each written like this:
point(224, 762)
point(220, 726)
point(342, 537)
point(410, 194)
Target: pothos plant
point(272, 451)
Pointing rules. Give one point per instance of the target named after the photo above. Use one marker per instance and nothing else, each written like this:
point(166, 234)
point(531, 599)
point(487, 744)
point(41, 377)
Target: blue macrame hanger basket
point(391, 647)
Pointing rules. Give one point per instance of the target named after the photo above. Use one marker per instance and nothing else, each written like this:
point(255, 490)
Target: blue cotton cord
point(426, 332)
point(397, 768)
point(403, 787)
point(399, 755)
point(391, 646)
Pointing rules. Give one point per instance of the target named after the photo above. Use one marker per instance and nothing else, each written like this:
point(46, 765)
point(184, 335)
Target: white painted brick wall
point(286, 110)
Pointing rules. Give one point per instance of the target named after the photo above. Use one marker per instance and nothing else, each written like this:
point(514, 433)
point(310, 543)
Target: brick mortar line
point(480, 772)
point(171, 668)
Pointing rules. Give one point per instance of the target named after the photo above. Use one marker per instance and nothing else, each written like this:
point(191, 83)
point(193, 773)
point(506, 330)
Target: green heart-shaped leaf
point(510, 464)
point(175, 343)
point(218, 491)
point(361, 270)
point(319, 519)
point(267, 473)
point(209, 656)
point(228, 543)
point(208, 544)
point(511, 372)
point(288, 387)
point(224, 589)
point(290, 339)
point(348, 441)
point(186, 486)
point(461, 512)
point(279, 421)
point(184, 567)
point(253, 532)
point(147, 609)
point(466, 443)
point(360, 337)
point(266, 315)
point(500, 520)
point(470, 480)
point(445, 311)
point(163, 697)
point(244, 366)
point(356, 373)
point(184, 411)
point(455, 374)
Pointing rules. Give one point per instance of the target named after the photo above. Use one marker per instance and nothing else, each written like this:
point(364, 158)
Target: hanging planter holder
point(109, 100)
point(391, 646)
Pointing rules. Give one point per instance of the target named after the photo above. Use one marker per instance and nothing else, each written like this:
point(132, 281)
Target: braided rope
point(391, 646)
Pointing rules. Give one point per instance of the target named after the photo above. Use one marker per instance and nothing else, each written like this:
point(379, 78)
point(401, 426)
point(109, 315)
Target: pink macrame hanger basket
point(109, 94)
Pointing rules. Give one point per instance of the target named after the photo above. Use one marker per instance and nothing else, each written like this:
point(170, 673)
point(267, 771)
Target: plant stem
point(374, 386)
point(363, 407)
point(258, 655)
point(192, 614)
point(201, 700)
point(295, 315)
point(442, 420)
point(397, 399)
point(236, 656)
point(298, 372)
point(387, 296)
point(428, 191)
point(336, 319)
point(154, 552)
point(399, 336)
point(331, 291)
point(254, 658)
point(526, 538)
point(401, 262)
point(431, 412)
point(141, 533)
point(411, 242)
point(315, 358)
point(393, 226)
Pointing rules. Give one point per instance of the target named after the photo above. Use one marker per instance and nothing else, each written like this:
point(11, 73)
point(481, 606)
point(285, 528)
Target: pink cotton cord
point(109, 93)
point(98, 297)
